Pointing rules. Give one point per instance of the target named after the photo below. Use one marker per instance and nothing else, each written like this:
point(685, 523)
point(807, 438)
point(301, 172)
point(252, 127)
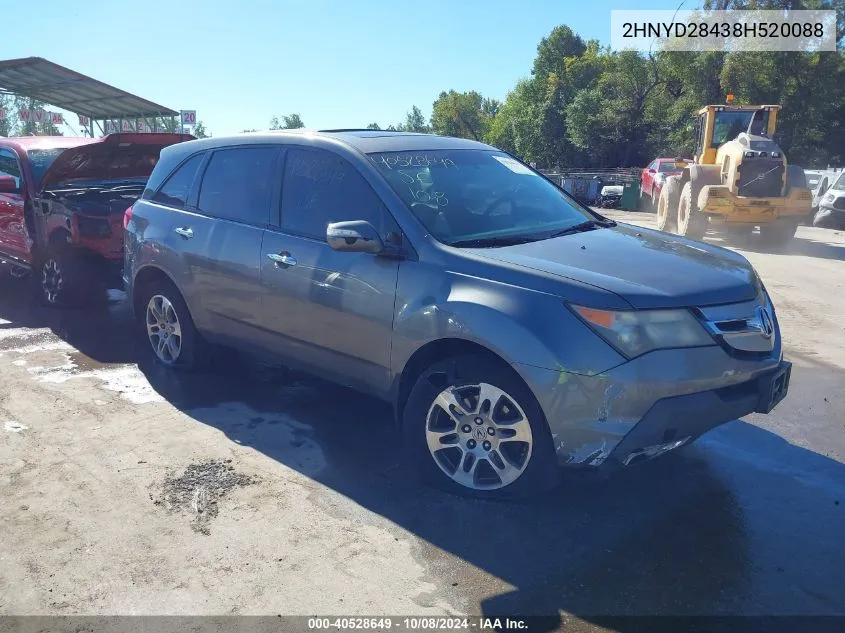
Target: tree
point(289, 122)
point(414, 122)
point(373, 126)
point(553, 50)
point(200, 131)
point(463, 114)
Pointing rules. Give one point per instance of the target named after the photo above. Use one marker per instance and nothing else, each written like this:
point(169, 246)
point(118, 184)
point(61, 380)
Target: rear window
point(176, 188)
point(238, 184)
point(664, 168)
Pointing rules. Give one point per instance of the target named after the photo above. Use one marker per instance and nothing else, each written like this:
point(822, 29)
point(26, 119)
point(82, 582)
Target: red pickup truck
point(62, 201)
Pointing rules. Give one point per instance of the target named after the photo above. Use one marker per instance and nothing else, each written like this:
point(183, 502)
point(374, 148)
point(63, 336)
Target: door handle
point(282, 259)
point(185, 232)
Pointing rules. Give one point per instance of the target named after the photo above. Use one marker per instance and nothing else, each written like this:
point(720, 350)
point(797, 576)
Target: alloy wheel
point(163, 329)
point(52, 280)
point(479, 436)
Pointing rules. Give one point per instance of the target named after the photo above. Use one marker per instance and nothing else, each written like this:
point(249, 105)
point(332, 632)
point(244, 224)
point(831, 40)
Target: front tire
point(691, 222)
point(474, 427)
point(667, 203)
point(166, 326)
point(65, 278)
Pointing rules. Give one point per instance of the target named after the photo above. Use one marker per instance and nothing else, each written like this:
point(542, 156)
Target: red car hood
point(113, 157)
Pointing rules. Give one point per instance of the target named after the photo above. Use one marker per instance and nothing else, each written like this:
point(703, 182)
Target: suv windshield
point(466, 195)
point(839, 185)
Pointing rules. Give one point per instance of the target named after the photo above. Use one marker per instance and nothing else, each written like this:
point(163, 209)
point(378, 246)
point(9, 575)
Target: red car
point(653, 177)
point(62, 201)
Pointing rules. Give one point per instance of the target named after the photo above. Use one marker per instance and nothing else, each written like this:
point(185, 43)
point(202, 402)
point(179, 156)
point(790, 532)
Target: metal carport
point(43, 80)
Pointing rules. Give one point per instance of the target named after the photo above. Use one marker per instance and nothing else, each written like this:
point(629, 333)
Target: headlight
point(635, 332)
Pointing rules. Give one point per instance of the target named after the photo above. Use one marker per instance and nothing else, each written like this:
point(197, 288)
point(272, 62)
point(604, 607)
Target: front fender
point(520, 325)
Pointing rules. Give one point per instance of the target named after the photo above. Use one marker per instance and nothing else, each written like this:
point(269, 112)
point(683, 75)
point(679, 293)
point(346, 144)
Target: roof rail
point(361, 129)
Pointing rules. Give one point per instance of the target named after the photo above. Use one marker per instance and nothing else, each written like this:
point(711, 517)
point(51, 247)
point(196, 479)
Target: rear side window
point(319, 188)
point(238, 184)
point(175, 190)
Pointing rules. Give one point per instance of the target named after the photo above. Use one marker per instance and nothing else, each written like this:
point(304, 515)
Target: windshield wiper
point(581, 227)
point(500, 240)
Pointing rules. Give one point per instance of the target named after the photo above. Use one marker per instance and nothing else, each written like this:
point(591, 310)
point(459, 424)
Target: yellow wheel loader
point(739, 179)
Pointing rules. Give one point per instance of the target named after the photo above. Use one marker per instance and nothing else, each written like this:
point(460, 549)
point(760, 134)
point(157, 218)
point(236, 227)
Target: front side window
point(9, 166)
point(238, 184)
point(467, 195)
point(176, 188)
point(319, 188)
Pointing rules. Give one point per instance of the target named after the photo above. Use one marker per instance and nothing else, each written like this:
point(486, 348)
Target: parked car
point(511, 328)
point(831, 211)
point(653, 177)
point(62, 201)
point(610, 196)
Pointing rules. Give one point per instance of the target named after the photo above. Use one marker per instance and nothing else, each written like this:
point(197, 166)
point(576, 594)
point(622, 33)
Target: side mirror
point(356, 236)
point(8, 184)
point(652, 171)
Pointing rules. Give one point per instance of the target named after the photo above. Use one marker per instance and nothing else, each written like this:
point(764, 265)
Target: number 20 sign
point(189, 117)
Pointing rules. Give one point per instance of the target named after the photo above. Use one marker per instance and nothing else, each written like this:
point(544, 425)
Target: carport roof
point(64, 88)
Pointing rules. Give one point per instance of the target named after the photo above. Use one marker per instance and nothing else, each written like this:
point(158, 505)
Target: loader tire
point(691, 222)
point(667, 204)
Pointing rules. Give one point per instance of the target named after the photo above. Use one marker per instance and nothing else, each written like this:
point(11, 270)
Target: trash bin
point(630, 196)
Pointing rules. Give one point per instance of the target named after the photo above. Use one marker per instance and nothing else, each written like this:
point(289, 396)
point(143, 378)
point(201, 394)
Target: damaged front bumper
point(653, 404)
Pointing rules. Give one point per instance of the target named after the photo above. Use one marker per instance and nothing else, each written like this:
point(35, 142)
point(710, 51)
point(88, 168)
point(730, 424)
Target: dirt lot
point(247, 490)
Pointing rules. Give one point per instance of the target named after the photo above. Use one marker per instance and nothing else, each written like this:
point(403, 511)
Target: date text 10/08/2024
point(419, 623)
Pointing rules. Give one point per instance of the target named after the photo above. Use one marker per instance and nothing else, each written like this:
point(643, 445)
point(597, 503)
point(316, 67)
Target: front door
point(331, 311)
point(13, 235)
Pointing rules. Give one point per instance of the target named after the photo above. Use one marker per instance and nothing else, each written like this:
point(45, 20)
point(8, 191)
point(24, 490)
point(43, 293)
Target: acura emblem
point(767, 326)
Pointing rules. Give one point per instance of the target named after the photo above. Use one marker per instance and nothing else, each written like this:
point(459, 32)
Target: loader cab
point(716, 125)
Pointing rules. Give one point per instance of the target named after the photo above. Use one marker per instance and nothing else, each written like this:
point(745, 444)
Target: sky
point(336, 63)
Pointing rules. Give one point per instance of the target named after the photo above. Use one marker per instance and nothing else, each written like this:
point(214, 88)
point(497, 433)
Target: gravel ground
point(127, 489)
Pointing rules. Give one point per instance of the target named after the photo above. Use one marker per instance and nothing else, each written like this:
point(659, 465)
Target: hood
point(647, 268)
point(112, 157)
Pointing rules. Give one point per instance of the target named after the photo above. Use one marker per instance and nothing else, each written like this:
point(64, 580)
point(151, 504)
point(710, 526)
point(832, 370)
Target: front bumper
point(725, 207)
point(650, 404)
point(829, 217)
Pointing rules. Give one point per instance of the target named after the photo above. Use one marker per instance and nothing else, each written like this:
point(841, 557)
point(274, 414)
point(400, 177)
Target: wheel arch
point(433, 352)
point(143, 278)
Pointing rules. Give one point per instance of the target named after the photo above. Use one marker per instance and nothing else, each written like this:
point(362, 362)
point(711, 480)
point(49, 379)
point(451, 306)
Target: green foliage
point(200, 131)
point(463, 114)
point(587, 106)
point(288, 122)
point(373, 126)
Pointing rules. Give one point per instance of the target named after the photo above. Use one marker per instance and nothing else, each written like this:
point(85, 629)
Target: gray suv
point(512, 329)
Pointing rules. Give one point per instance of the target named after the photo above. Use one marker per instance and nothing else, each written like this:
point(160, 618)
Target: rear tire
point(691, 222)
point(513, 454)
point(667, 203)
point(166, 329)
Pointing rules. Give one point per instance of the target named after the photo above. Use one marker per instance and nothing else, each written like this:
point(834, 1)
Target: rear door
point(332, 311)
point(219, 241)
point(13, 236)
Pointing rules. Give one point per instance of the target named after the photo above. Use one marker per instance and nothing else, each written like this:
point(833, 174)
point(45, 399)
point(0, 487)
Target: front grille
point(760, 178)
point(739, 327)
point(839, 203)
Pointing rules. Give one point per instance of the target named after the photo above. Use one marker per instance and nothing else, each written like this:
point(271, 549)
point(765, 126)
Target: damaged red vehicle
point(62, 201)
